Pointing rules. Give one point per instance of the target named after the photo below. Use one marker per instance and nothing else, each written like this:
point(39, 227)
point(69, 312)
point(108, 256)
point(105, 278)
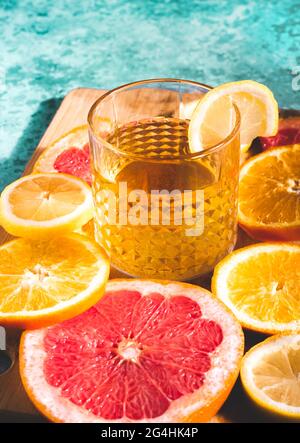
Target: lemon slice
point(270, 374)
point(214, 118)
point(43, 205)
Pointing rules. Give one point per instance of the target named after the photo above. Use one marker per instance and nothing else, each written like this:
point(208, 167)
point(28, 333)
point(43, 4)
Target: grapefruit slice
point(284, 137)
point(288, 134)
point(148, 351)
point(68, 154)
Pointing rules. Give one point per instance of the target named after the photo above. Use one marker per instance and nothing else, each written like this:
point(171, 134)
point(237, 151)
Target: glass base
point(202, 279)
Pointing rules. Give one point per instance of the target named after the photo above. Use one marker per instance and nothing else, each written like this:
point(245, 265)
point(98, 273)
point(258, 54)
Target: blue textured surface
point(49, 47)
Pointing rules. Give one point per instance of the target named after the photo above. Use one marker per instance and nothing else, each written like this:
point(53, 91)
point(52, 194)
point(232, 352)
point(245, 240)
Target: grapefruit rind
point(199, 406)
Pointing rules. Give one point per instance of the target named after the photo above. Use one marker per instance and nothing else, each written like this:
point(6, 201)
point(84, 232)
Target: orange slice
point(42, 283)
point(269, 195)
point(260, 284)
point(148, 351)
point(270, 375)
point(43, 205)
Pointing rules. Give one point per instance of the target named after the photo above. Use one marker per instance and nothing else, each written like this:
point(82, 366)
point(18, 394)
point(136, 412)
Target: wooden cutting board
point(14, 403)
point(72, 112)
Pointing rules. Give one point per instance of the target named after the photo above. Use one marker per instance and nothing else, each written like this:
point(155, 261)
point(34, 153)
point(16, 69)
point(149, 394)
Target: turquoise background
point(49, 47)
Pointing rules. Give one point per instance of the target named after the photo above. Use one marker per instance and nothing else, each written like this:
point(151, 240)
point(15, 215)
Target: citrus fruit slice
point(214, 118)
point(156, 351)
point(69, 154)
point(269, 195)
point(284, 137)
point(270, 374)
point(260, 284)
point(42, 283)
point(288, 134)
point(42, 205)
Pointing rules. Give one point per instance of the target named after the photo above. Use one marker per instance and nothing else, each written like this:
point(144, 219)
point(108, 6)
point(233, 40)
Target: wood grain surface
point(72, 112)
point(14, 404)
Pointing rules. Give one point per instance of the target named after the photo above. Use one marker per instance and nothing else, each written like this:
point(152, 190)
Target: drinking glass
point(161, 211)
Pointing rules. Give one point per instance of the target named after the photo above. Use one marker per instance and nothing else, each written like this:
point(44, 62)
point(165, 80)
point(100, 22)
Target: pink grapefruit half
point(148, 351)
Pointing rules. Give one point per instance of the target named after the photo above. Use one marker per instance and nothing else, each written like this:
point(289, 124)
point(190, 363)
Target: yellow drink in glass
point(161, 212)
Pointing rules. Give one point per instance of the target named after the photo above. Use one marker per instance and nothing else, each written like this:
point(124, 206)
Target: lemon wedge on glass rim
point(213, 118)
